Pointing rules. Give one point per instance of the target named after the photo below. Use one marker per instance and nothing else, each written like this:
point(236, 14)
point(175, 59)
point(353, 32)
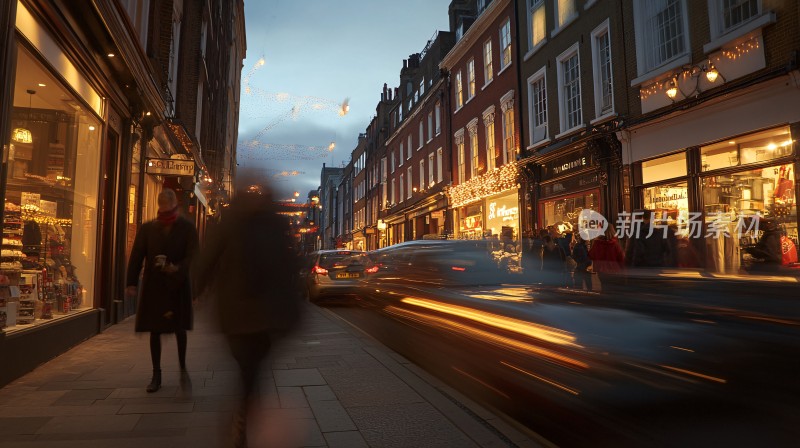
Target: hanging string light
point(496, 181)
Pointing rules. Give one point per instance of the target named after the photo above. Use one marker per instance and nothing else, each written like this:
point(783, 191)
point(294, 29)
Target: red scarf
point(168, 217)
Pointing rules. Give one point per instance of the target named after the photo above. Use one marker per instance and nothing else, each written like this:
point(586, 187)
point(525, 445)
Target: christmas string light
point(491, 183)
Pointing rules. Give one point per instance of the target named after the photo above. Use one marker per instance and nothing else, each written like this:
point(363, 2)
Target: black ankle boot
point(155, 383)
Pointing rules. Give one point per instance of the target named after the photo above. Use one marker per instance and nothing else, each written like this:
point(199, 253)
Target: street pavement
point(328, 385)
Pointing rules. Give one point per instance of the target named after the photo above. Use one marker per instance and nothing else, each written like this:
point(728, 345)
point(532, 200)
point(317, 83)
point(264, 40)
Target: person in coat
point(165, 246)
point(249, 269)
point(608, 259)
point(580, 253)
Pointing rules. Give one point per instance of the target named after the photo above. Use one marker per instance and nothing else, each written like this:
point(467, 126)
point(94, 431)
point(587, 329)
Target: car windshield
point(342, 259)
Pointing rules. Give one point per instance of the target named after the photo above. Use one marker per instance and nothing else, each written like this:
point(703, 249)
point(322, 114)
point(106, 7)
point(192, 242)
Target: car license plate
point(348, 275)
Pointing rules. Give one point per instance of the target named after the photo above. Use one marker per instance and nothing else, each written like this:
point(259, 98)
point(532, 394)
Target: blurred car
point(331, 274)
point(442, 262)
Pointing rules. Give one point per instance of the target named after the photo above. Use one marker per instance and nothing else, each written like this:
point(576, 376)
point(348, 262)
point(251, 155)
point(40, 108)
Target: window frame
point(604, 29)
point(491, 138)
point(410, 182)
point(572, 51)
point(644, 70)
point(533, 6)
point(431, 172)
point(439, 166)
point(471, 81)
point(559, 26)
point(438, 117)
point(539, 76)
point(488, 69)
point(504, 35)
point(459, 91)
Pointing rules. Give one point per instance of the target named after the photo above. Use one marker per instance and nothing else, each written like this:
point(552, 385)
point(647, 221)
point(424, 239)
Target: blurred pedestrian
point(580, 253)
point(249, 268)
point(648, 247)
point(166, 246)
point(553, 263)
point(608, 260)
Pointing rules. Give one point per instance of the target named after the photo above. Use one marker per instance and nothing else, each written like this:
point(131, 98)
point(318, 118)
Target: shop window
point(730, 202)
point(670, 203)
point(663, 168)
point(563, 212)
point(50, 220)
point(753, 148)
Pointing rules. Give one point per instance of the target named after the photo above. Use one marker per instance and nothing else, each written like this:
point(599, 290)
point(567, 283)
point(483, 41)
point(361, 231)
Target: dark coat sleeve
point(138, 254)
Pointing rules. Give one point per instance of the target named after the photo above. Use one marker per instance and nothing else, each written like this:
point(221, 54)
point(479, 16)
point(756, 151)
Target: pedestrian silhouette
point(249, 269)
point(166, 246)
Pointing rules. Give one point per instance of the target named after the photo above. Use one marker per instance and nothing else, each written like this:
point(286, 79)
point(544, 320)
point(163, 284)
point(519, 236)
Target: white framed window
point(439, 170)
point(727, 15)
point(565, 12)
point(400, 113)
point(537, 26)
point(473, 151)
point(409, 147)
point(462, 169)
point(430, 126)
point(401, 197)
point(438, 110)
point(471, 79)
point(509, 148)
point(410, 104)
point(410, 182)
point(488, 71)
point(505, 44)
point(422, 174)
point(459, 91)
point(602, 71)
point(491, 146)
point(661, 32)
point(431, 179)
point(394, 191)
point(401, 155)
point(384, 175)
point(537, 105)
point(421, 134)
point(569, 89)
point(391, 160)
point(422, 86)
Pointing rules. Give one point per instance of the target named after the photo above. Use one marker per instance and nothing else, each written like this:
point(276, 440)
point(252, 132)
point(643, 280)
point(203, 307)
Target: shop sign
point(570, 185)
point(170, 167)
point(439, 214)
point(502, 212)
point(571, 163)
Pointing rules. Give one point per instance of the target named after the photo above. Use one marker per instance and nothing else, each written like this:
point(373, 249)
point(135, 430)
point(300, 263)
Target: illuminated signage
point(170, 167)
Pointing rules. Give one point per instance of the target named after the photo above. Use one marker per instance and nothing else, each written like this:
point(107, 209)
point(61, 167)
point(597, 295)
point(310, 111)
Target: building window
point(409, 147)
point(400, 113)
point(603, 81)
point(421, 135)
point(410, 181)
point(471, 78)
point(438, 118)
point(565, 11)
point(473, 151)
point(737, 12)
point(431, 179)
point(509, 149)
point(462, 170)
point(505, 44)
point(401, 155)
point(439, 170)
point(394, 190)
point(537, 27)
point(422, 87)
point(430, 126)
point(488, 71)
point(422, 174)
point(488, 121)
point(537, 104)
point(391, 160)
point(661, 30)
point(569, 92)
point(459, 91)
point(401, 196)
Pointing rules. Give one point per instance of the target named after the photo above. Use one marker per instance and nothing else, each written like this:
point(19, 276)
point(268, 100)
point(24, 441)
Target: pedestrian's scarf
point(168, 217)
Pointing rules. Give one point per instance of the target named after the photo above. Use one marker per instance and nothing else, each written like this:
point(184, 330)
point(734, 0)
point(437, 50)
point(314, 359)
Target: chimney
point(405, 64)
point(413, 60)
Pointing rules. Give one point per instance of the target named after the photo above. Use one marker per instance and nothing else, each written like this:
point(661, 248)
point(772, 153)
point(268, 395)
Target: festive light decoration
point(256, 150)
point(712, 73)
point(494, 182)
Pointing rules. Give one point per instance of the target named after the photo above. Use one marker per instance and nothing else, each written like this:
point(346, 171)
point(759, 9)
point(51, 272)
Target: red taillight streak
point(372, 270)
point(320, 271)
point(456, 268)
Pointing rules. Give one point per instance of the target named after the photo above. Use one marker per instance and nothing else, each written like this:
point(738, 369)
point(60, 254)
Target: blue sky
point(317, 53)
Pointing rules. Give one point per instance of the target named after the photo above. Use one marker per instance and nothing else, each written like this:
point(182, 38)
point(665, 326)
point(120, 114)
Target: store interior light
point(111, 55)
point(91, 128)
point(41, 84)
point(22, 134)
point(772, 146)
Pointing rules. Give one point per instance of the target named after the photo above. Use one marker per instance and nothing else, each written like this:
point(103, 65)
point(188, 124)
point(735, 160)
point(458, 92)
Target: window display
point(753, 148)
point(669, 202)
point(565, 211)
point(50, 210)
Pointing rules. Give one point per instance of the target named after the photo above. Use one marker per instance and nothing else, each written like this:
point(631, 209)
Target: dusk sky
point(316, 54)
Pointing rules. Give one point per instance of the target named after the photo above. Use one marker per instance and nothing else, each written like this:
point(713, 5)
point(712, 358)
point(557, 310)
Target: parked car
point(332, 274)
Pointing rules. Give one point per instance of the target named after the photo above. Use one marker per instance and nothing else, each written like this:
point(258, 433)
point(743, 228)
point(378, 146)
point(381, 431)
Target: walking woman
point(165, 246)
point(608, 260)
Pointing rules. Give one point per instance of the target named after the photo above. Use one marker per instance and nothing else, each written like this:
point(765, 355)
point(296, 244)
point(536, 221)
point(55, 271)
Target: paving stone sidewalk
point(328, 386)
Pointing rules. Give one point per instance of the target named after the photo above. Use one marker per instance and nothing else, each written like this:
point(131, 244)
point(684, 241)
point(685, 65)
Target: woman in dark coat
point(166, 246)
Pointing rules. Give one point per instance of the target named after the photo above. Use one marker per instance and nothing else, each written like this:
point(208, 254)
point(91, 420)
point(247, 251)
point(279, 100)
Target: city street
point(327, 386)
